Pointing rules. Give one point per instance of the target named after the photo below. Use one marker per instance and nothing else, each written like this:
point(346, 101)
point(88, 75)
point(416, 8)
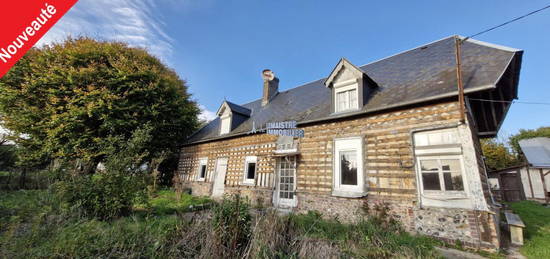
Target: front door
point(219, 178)
point(285, 195)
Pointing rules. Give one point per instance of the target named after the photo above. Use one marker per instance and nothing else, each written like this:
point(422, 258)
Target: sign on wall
point(283, 128)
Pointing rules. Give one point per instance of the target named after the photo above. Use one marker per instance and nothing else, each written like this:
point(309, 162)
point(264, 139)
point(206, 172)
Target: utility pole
point(458, 41)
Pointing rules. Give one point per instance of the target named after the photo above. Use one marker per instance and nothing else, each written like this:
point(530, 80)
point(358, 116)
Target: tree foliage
point(66, 100)
point(497, 155)
point(527, 134)
point(112, 192)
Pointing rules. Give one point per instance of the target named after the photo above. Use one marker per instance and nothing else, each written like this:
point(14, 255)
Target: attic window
point(346, 100)
point(345, 97)
point(226, 125)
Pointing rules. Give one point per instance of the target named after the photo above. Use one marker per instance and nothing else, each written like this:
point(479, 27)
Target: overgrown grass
point(33, 224)
point(537, 228)
point(369, 238)
point(169, 202)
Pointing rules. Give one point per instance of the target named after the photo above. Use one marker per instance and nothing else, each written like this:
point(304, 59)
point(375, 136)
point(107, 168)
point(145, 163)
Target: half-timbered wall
point(389, 171)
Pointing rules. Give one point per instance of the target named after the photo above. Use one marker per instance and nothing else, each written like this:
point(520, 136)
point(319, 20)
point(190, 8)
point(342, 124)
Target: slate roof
point(421, 74)
point(537, 151)
point(238, 109)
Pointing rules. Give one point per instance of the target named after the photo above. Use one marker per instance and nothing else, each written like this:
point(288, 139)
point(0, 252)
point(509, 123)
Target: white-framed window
point(441, 174)
point(225, 124)
point(346, 98)
point(348, 167)
point(250, 166)
point(203, 169)
point(440, 164)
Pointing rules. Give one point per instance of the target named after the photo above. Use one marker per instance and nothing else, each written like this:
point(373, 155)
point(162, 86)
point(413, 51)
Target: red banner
point(24, 22)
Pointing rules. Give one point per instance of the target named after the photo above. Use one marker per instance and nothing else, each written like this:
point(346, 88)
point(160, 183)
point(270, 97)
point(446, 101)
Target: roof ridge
point(361, 66)
point(491, 45)
point(408, 50)
point(474, 41)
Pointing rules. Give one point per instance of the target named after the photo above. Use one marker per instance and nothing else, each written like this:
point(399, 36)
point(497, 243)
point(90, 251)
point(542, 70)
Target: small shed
point(535, 175)
point(506, 184)
point(530, 181)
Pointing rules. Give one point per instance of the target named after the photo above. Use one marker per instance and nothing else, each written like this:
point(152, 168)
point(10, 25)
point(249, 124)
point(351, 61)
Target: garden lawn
point(537, 230)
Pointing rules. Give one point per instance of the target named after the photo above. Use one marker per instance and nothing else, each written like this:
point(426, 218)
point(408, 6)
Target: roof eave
point(351, 114)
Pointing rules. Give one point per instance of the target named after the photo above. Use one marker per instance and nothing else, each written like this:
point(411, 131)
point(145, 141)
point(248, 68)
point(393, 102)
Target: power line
point(508, 22)
point(501, 101)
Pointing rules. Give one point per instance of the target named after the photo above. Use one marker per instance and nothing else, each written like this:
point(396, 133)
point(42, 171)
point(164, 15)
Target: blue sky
point(220, 47)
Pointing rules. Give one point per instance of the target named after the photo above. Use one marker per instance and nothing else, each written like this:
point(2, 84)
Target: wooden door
point(219, 178)
point(510, 187)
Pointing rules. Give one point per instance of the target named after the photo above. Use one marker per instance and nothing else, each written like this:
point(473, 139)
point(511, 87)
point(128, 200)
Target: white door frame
point(219, 178)
point(277, 200)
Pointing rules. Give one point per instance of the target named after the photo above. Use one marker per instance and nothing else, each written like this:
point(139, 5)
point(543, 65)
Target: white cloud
point(206, 114)
point(136, 22)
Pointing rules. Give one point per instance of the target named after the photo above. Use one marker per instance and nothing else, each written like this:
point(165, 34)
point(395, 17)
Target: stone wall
point(196, 188)
point(471, 228)
point(257, 196)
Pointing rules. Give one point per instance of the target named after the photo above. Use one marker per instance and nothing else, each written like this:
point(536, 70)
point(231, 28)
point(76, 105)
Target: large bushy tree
point(67, 99)
point(497, 155)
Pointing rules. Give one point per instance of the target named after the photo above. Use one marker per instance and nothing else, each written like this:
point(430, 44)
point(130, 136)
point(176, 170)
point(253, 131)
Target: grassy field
point(537, 230)
point(34, 224)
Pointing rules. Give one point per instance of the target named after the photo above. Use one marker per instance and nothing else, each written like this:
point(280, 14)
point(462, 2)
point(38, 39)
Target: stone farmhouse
point(389, 131)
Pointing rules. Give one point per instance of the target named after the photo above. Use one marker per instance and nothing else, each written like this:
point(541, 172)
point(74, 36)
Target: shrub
point(112, 192)
point(231, 222)
point(103, 195)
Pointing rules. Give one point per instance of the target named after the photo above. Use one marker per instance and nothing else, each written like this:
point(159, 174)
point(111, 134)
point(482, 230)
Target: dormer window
point(226, 124)
point(346, 98)
point(231, 116)
point(350, 87)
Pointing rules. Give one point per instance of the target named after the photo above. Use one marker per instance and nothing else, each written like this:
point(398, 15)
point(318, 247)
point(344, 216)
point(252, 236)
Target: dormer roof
point(346, 64)
point(234, 108)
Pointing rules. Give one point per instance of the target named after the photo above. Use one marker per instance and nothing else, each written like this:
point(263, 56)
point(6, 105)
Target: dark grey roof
point(238, 109)
point(537, 151)
point(418, 75)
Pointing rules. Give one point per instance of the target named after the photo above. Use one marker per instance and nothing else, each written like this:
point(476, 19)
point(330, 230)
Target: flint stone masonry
point(197, 188)
point(257, 197)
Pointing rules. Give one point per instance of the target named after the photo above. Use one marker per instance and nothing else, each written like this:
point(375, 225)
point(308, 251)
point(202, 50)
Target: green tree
point(112, 192)
point(8, 156)
point(497, 155)
point(66, 100)
point(527, 134)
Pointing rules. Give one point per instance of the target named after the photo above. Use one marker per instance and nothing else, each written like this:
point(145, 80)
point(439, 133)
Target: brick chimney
point(271, 86)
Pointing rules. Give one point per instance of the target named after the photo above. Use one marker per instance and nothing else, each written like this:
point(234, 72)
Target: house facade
point(389, 131)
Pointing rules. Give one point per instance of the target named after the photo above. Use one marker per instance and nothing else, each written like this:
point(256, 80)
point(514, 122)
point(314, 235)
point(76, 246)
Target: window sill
point(247, 183)
point(201, 180)
point(348, 194)
point(445, 195)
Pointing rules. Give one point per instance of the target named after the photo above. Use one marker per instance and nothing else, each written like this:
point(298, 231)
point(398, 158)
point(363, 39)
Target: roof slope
point(421, 74)
point(237, 108)
point(537, 151)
